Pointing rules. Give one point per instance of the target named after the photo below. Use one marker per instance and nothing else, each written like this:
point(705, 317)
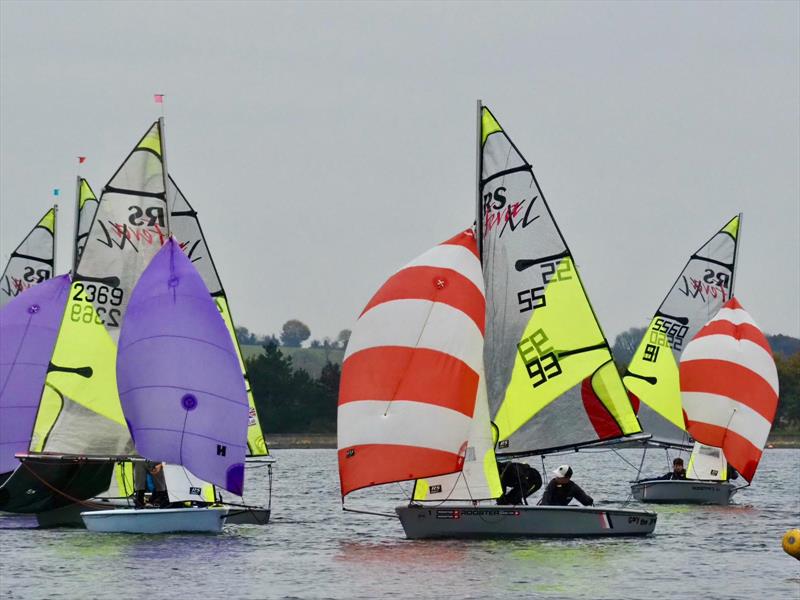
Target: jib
point(149, 216)
point(494, 201)
point(721, 279)
point(38, 275)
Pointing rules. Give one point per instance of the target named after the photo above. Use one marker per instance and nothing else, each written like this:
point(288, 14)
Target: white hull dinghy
point(155, 520)
point(466, 521)
point(483, 348)
point(729, 393)
point(684, 491)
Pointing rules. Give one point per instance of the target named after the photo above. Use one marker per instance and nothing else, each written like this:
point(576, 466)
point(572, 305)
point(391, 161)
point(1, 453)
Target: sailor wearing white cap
point(561, 489)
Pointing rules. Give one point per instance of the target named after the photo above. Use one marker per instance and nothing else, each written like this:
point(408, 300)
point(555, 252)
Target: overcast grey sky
point(326, 144)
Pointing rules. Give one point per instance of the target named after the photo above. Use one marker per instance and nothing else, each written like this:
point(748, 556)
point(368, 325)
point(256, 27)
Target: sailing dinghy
point(176, 412)
point(653, 375)
point(729, 391)
point(483, 348)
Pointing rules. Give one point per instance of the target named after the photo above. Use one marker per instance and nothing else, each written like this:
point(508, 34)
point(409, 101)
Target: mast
point(55, 236)
point(478, 203)
point(736, 252)
point(77, 225)
point(164, 173)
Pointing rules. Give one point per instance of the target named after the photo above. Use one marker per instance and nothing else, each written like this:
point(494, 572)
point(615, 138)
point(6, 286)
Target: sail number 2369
point(98, 302)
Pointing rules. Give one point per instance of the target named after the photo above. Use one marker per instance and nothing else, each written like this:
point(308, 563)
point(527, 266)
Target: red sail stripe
point(375, 464)
point(436, 378)
point(739, 451)
point(604, 424)
point(733, 304)
point(731, 381)
point(743, 331)
point(435, 284)
point(465, 239)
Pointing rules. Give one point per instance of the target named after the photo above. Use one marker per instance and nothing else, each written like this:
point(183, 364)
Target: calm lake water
point(311, 549)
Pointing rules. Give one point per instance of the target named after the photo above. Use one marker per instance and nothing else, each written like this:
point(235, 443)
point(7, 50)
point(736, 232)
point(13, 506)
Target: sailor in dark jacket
point(678, 472)
point(561, 490)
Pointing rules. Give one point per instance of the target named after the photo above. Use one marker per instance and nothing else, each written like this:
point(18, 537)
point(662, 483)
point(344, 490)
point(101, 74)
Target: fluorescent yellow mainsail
point(80, 412)
point(703, 286)
point(551, 378)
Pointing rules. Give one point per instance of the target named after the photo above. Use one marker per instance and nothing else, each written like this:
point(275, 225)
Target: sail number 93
point(539, 358)
point(99, 301)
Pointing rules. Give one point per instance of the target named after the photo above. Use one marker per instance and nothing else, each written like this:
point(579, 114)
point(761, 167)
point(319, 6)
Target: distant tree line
point(292, 335)
point(289, 400)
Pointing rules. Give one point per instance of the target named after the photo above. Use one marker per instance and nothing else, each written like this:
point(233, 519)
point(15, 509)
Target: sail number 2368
point(98, 302)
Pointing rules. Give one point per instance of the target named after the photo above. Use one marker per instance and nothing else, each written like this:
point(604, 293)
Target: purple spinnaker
point(178, 374)
point(28, 331)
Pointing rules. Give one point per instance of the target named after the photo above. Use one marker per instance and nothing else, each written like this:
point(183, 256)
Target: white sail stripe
point(742, 352)
point(402, 422)
point(714, 409)
point(737, 316)
point(399, 322)
point(457, 258)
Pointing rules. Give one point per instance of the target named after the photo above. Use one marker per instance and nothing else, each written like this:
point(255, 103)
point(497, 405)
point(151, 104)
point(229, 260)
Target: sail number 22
point(98, 304)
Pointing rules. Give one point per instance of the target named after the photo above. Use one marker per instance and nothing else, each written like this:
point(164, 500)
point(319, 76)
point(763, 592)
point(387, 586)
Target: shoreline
point(314, 441)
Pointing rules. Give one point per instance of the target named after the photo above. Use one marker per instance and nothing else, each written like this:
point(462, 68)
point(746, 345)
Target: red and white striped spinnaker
point(729, 387)
point(410, 376)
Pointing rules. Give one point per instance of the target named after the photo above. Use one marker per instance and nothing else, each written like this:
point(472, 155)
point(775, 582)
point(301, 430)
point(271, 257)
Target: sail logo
point(150, 216)
point(32, 275)
point(120, 235)
point(539, 358)
point(499, 213)
point(713, 286)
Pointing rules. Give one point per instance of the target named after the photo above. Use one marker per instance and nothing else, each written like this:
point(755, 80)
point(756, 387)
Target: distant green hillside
point(310, 360)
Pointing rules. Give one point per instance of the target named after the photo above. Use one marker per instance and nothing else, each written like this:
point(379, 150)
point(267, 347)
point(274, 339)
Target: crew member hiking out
point(519, 480)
